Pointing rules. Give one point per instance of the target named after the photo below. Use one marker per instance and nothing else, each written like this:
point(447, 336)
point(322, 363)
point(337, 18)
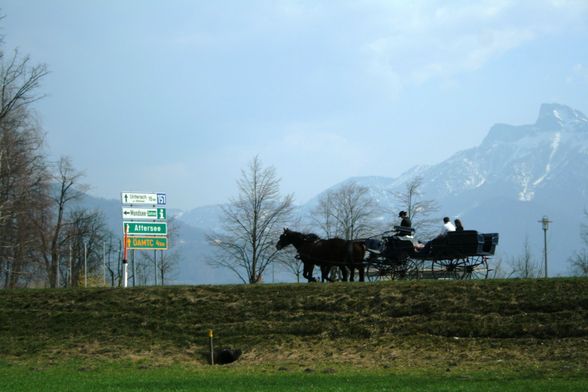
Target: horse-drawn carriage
point(457, 255)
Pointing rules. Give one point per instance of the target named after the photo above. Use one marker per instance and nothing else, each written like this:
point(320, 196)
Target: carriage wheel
point(371, 272)
point(476, 267)
point(373, 268)
point(376, 271)
point(450, 269)
point(413, 269)
point(398, 266)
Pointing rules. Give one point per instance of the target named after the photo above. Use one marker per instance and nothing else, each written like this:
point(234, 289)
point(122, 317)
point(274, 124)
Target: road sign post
point(144, 223)
point(125, 263)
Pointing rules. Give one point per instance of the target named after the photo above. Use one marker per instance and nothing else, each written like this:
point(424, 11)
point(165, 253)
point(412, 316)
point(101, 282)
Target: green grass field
point(131, 377)
point(424, 335)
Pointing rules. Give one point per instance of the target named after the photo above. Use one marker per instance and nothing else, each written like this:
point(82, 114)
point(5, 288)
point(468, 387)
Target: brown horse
point(325, 253)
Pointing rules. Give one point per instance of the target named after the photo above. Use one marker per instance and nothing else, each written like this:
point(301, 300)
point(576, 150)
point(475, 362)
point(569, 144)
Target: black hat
point(402, 213)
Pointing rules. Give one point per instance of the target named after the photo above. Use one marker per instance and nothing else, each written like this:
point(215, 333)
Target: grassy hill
point(536, 324)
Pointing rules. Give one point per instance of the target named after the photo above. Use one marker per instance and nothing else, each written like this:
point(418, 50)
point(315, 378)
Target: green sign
point(154, 243)
point(145, 228)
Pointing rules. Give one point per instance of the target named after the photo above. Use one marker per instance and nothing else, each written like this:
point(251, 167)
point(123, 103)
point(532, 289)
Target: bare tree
point(86, 232)
point(322, 215)
point(579, 263)
point(19, 80)
point(346, 212)
point(290, 262)
point(497, 272)
point(142, 271)
point(51, 225)
point(113, 260)
point(252, 224)
point(419, 209)
point(525, 266)
point(23, 169)
point(23, 190)
point(584, 230)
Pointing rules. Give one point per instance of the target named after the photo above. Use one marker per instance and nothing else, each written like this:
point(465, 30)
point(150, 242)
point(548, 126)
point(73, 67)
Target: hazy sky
point(178, 96)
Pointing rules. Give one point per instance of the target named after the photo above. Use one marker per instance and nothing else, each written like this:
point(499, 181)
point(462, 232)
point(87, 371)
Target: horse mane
point(311, 237)
point(304, 237)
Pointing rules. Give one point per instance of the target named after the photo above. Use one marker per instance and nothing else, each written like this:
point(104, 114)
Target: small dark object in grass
point(226, 355)
point(329, 371)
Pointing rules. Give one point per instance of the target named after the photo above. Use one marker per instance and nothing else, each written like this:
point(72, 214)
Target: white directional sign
point(143, 198)
point(144, 213)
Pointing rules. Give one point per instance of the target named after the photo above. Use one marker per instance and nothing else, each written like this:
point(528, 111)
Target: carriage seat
point(373, 245)
point(404, 230)
point(467, 242)
point(489, 245)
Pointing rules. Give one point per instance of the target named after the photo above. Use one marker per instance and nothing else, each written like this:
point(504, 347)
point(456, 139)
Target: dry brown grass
point(448, 326)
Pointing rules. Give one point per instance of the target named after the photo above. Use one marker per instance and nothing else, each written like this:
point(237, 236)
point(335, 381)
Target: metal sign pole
point(155, 265)
point(133, 266)
point(125, 263)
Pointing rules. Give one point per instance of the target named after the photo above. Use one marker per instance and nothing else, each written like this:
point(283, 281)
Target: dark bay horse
point(325, 253)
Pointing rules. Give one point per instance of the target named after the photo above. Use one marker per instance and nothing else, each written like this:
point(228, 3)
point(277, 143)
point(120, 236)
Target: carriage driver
point(405, 222)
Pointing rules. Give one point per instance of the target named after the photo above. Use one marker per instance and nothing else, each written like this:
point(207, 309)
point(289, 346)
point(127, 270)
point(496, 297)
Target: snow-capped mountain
point(521, 161)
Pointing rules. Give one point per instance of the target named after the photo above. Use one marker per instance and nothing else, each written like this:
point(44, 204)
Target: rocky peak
point(553, 116)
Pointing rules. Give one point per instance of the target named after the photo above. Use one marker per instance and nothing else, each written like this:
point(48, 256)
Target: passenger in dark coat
point(458, 225)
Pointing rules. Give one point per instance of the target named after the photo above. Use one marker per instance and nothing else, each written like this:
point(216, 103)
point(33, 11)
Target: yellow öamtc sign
point(154, 243)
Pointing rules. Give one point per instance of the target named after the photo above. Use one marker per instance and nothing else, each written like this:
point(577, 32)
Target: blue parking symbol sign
point(161, 199)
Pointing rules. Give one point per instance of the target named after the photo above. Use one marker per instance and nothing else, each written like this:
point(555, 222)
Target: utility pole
point(104, 261)
point(545, 223)
point(70, 265)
